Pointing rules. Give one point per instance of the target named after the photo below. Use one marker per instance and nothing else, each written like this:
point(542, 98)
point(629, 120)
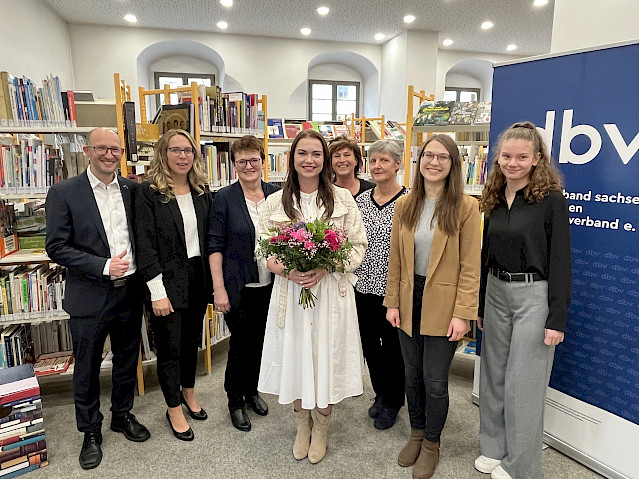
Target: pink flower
point(333, 239)
point(300, 235)
point(309, 245)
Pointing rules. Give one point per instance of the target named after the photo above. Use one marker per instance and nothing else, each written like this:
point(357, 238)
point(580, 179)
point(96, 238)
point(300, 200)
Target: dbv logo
point(568, 132)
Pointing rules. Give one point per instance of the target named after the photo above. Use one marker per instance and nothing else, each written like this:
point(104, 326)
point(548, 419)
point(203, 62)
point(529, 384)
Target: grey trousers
point(515, 369)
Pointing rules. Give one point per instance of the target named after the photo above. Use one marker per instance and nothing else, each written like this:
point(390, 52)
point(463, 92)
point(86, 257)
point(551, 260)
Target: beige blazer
point(452, 281)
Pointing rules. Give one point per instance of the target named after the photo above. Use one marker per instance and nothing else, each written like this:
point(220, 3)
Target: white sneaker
point(486, 464)
point(499, 473)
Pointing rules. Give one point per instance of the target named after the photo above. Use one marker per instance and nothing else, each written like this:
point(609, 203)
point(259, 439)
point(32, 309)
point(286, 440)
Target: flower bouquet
point(304, 247)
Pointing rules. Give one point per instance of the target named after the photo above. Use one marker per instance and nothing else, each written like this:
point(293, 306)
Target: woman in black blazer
point(172, 219)
point(242, 289)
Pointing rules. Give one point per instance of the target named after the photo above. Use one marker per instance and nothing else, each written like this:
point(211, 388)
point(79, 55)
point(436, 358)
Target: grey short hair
point(389, 147)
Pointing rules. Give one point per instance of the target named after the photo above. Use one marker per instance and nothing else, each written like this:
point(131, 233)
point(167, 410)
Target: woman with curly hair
point(523, 300)
point(172, 211)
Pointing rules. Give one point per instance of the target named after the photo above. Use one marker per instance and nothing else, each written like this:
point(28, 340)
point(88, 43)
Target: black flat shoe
point(91, 452)
point(257, 404)
point(182, 436)
point(198, 415)
point(240, 420)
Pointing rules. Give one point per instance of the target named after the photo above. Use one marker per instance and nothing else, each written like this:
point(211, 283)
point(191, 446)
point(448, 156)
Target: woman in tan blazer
point(432, 291)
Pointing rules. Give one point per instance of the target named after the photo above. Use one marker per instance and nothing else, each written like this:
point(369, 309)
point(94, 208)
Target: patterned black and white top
point(378, 221)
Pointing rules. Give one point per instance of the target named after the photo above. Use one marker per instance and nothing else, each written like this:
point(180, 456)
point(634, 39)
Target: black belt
point(118, 283)
point(506, 276)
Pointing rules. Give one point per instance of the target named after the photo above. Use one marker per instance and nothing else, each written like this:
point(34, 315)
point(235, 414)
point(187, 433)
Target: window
point(180, 79)
point(461, 94)
point(329, 99)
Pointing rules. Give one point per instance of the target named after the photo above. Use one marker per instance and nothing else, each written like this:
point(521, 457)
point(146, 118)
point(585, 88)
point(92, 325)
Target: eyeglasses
point(175, 151)
point(429, 156)
point(102, 150)
point(253, 161)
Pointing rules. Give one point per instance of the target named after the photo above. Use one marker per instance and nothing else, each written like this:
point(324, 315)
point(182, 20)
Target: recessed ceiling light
point(131, 18)
point(323, 10)
point(540, 3)
point(379, 36)
point(511, 47)
point(226, 3)
point(448, 42)
point(487, 25)
point(409, 19)
point(305, 31)
point(222, 25)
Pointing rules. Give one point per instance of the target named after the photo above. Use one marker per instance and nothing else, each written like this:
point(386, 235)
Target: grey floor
point(355, 448)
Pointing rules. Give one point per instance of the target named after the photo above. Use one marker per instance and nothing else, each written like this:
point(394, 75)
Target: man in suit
point(90, 232)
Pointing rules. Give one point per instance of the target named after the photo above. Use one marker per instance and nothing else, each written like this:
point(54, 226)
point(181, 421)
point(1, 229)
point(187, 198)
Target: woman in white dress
point(312, 357)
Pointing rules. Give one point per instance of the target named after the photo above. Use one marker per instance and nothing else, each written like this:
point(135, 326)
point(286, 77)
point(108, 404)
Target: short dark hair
point(247, 143)
point(342, 142)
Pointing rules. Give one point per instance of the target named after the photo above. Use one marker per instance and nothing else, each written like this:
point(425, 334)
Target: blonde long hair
point(543, 178)
point(159, 174)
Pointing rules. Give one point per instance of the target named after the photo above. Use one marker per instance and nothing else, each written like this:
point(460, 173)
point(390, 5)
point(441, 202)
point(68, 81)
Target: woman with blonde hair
point(431, 291)
point(172, 211)
point(523, 301)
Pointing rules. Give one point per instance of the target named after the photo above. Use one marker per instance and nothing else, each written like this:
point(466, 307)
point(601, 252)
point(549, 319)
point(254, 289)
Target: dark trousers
point(247, 323)
point(121, 319)
point(427, 362)
point(177, 338)
point(380, 344)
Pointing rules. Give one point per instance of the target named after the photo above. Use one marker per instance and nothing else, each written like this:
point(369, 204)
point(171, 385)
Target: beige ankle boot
point(426, 463)
point(303, 437)
point(410, 453)
point(317, 451)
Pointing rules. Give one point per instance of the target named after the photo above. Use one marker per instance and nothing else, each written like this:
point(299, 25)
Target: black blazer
point(76, 239)
point(232, 233)
point(162, 242)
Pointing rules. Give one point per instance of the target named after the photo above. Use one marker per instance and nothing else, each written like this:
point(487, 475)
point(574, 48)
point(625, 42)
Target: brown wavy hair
point(292, 185)
point(159, 174)
point(544, 177)
point(342, 142)
point(448, 204)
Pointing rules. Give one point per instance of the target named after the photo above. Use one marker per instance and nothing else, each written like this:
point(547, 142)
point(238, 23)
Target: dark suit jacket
point(232, 233)
point(162, 242)
point(76, 239)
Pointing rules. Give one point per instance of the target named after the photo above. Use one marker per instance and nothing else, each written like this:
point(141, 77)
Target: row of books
point(474, 165)
point(30, 166)
point(22, 103)
point(442, 113)
point(217, 163)
point(31, 291)
point(23, 446)
point(233, 112)
point(46, 344)
point(282, 129)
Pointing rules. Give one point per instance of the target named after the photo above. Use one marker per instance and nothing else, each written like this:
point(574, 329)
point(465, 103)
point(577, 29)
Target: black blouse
point(364, 186)
point(531, 237)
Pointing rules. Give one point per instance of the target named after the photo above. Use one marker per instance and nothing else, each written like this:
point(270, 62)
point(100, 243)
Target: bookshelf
point(471, 139)
point(200, 135)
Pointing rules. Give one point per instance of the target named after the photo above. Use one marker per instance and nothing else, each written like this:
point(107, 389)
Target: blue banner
point(588, 107)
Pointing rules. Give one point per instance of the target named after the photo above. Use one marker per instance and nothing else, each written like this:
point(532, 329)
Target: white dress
point(314, 354)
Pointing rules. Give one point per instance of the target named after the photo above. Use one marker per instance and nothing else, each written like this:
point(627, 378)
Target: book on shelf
point(376, 127)
point(474, 166)
point(341, 130)
point(310, 125)
point(130, 131)
point(401, 132)
point(433, 113)
point(8, 226)
point(53, 363)
point(327, 131)
point(483, 113)
point(217, 163)
point(175, 117)
point(276, 128)
point(292, 129)
point(463, 113)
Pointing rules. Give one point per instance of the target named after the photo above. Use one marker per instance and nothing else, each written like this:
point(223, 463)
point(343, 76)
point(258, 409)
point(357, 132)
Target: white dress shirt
point(113, 215)
point(264, 274)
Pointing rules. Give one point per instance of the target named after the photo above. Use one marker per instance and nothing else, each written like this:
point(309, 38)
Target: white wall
point(272, 66)
point(392, 102)
point(35, 42)
point(462, 81)
point(447, 59)
point(581, 23)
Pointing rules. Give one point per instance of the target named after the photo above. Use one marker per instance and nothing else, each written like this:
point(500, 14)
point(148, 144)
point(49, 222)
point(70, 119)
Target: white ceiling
point(516, 21)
